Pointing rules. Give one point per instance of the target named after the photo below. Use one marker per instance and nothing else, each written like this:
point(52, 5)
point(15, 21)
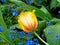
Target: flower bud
point(28, 21)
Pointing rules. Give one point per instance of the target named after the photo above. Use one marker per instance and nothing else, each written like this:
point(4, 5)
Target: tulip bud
point(28, 21)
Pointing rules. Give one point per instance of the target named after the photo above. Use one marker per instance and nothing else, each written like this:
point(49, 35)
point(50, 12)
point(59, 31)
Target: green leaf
point(53, 34)
point(46, 12)
point(58, 1)
point(54, 4)
point(6, 31)
point(41, 25)
point(58, 4)
point(38, 12)
point(37, 2)
point(16, 26)
point(55, 21)
point(4, 40)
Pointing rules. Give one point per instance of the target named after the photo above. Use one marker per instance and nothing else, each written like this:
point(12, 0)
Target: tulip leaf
point(54, 4)
point(38, 12)
point(42, 24)
point(37, 2)
point(16, 26)
point(55, 20)
point(46, 12)
point(52, 34)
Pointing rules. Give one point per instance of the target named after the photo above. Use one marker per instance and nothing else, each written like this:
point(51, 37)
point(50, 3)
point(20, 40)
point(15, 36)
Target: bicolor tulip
point(28, 21)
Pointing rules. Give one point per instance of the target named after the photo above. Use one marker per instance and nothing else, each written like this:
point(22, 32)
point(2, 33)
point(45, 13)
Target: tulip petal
point(28, 21)
point(24, 27)
point(35, 20)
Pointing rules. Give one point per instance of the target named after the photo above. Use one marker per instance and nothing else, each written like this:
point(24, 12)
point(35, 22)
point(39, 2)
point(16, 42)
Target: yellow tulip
point(28, 21)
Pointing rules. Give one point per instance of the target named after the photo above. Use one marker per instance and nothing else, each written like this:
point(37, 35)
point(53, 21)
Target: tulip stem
point(41, 39)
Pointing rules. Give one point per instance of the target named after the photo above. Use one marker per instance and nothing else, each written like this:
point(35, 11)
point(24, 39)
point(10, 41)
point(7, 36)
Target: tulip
point(28, 21)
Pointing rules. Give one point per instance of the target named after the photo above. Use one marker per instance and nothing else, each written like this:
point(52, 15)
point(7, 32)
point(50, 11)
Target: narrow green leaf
point(46, 12)
point(37, 2)
point(5, 30)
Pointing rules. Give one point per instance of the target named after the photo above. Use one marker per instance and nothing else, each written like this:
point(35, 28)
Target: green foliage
point(38, 12)
point(43, 13)
point(54, 4)
point(5, 33)
point(53, 34)
point(36, 2)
